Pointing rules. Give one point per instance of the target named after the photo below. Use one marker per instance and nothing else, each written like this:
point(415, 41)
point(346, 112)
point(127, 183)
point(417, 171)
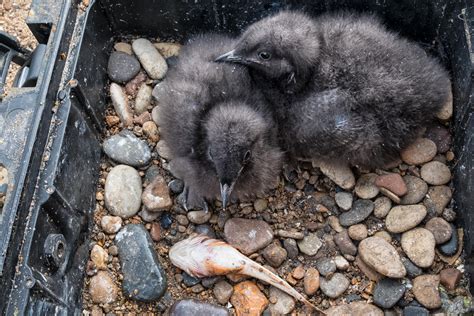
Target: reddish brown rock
point(155, 231)
point(392, 182)
point(450, 278)
point(248, 300)
point(425, 289)
point(311, 281)
point(156, 195)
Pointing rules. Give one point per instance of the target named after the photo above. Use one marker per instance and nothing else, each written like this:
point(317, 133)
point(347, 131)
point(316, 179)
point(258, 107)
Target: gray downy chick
point(342, 86)
point(220, 131)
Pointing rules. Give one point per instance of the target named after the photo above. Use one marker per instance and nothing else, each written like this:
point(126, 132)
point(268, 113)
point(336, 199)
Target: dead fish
point(201, 256)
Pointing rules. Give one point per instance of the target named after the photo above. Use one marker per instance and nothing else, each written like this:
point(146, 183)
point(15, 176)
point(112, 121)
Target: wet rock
point(150, 130)
point(381, 256)
point(194, 307)
point(248, 299)
point(144, 279)
point(416, 190)
point(260, 205)
point(311, 281)
point(168, 50)
point(357, 232)
point(274, 254)
point(404, 217)
point(102, 288)
point(450, 278)
point(382, 206)
point(155, 231)
point(446, 111)
point(143, 99)
point(163, 150)
point(392, 182)
point(335, 285)
point(354, 309)
point(176, 186)
point(223, 291)
point(341, 175)
point(205, 229)
point(359, 212)
point(344, 200)
point(291, 248)
point(166, 220)
point(111, 224)
point(188, 280)
point(440, 229)
point(325, 266)
point(248, 235)
point(437, 199)
point(370, 273)
point(199, 217)
point(345, 244)
point(419, 245)
point(123, 47)
point(435, 173)
point(387, 292)
point(120, 103)
point(341, 263)
point(365, 187)
point(151, 60)
point(449, 248)
point(156, 196)
point(412, 270)
point(310, 244)
point(415, 311)
point(100, 257)
point(441, 136)
point(122, 67)
point(425, 289)
point(123, 190)
point(419, 152)
point(127, 149)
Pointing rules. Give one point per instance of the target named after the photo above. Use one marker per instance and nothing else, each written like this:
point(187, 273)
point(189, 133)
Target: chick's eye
point(247, 156)
point(264, 55)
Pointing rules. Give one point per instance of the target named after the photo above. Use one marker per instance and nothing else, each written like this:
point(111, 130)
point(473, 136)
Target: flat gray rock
point(127, 149)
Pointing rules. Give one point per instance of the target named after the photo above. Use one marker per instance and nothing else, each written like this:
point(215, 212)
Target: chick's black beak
point(229, 57)
point(226, 190)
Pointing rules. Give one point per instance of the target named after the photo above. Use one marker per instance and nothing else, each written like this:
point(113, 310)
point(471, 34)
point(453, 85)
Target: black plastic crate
point(49, 132)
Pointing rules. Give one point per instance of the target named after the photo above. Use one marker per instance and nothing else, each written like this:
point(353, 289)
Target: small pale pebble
point(168, 49)
point(357, 232)
point(382, 206)
point(163, 150)
point(440, 229)
point(344, 200)
point(310, 244)
point(419, 245)
point(156, 196)
point(123, 47)
point(151, 60)
point(365, 187)
point(100, 257)
point(392, 182)
point(111, 224)
point(112, 120)
point(335, 285)
point(334, 223)
point(392, 196)
point(341, 263)
point(425, 289)
point(199, 217)
point(120, 103)
point(311, 281)
point(290, 234)
point(142, 118)
point(122, 191)
point(298, 272)
point(143, 99)
point(450, 156)
point(102, 288)
point(447, 109)
point(404, 217)
point(341, 175)
point(420, 151)
point(435, 173)
point(260, 205)
point(151, 131)
point(354, 309)
point(383, 234)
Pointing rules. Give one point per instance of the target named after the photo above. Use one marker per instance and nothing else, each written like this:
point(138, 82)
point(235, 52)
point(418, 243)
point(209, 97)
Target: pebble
point(311, 281)
point(370, 273)
point(189, 280)
point(194, 307)
point(365, 187)
point(440, 229)
point(441, 136)
point(415, 311)
point(354, 309)
point(437, 199)
point(113, 250)
point(123, 190)
point(123, 47)
point(449, 248)
point(143, 280)
point(102, 288)
point(388, 292)
point(290, 234)
point(419, 245)
point(120, 103)
point(131, 88)
point(168, 50)
point(126, 148)
point(176, 186)
point(148, 216)
point(199, 217)
point(260, 205)
point(446, 111)
point(280, 302)
point(111, 224)
point(310, 244)
point(210, 281)
point(335, 285)
point(341, 175)
point(357, 232)
point(155, 231)
point(100, 257)
point(248, 235)
point(450, 278)
point(248, 299)
point(156, 196)
point(359, 212)
point(291, 248)
point(151, 60)
point(325, 266)
point(392, 182)
point(420, 151)
point(425, 289)
point(344, 200)
point(298, 272)
point(151, 131)
point(381, 256)
point(335, 224)
point(382, 206)
point(404, 217)
point(122, 67)
point(416, 190)
point(274, 254)
point(143, 99)
point(112, 120)
point(392, 196)
point(449, 214)
point(412, 270)
point(223, 291)
point(341, 263)
point(163, 150)
point(384, 234)
point(435, 173)
point(205, 229)
point(345, 244)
